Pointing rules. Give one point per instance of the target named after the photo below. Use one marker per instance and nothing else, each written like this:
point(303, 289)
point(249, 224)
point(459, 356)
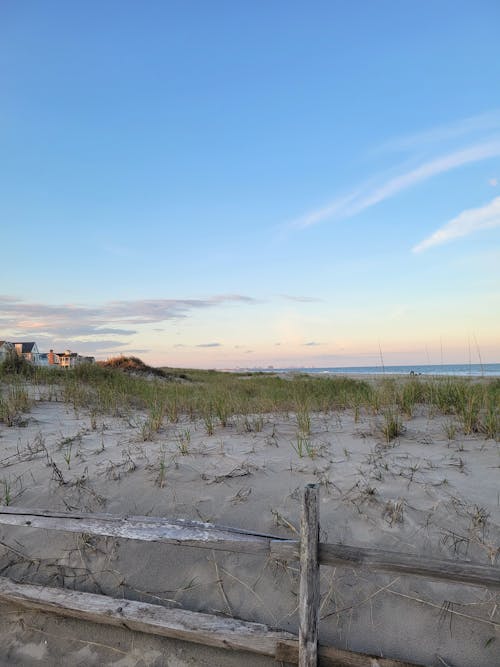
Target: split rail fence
point(219, 631)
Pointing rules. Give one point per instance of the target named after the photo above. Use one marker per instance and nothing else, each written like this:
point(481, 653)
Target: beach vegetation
point(119, 389)
point(14, 401)
point(15, 365)
point(303, 447)
point(490, 421)
point(161, 473)
point(392, 425)
point(7, 492)
point(183, 441)
point(469, 413)
point(304, 420)
point(450, 429)
point(253, 424)
point(208, 420)
point(67, 454)
point(157, 412)
point(409, 394)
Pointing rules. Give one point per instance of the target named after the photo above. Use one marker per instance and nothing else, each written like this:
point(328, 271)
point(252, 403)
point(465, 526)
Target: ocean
point(462, 370)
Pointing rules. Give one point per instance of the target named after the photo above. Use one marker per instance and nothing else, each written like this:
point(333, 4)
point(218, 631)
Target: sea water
point(463, 370)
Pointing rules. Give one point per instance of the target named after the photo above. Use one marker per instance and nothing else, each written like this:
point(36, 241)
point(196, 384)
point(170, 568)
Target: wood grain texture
point(430, 568)
point(205, 535)
point(380, 560)
point(206, 629)
point(328, 656)
point(196, 627)
point(170, 531)
point(309, 578)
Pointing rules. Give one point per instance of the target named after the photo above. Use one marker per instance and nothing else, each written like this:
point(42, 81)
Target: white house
point(29, 351)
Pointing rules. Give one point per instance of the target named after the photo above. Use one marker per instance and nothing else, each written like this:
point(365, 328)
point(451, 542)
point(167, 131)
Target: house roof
point(26, 347)
point(6, 343)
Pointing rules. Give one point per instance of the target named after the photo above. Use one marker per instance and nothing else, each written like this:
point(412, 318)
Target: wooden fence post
point(309, 578)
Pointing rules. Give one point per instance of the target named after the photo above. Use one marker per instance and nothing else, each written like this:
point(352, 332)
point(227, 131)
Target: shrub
point(15, 364)
point(13, 405)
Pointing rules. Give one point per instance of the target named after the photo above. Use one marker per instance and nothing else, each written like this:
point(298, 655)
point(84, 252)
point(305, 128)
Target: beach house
point(29, 351)
point(68, 359)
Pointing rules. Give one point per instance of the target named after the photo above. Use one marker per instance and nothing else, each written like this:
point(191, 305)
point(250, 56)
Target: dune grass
point(14, 401)
point(218, 398)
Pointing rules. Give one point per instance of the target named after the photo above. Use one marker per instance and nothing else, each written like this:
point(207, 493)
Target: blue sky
point(228, 184)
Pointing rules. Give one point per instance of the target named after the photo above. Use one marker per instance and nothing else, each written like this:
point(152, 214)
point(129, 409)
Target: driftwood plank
point(196, 627)
point(309, 578)
point(206, 629)
point(328, 656)
point(171, 531)
point(464, 572)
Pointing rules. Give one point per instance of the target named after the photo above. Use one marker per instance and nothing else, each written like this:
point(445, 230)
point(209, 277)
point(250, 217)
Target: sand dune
point(429, 491)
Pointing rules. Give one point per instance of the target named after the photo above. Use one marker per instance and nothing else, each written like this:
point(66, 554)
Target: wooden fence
point(223, 632)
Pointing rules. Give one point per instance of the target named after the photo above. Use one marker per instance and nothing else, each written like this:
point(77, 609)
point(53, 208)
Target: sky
point(237, 184)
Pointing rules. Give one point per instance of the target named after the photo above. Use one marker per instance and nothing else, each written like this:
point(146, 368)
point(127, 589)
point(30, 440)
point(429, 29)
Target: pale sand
point(422, 494)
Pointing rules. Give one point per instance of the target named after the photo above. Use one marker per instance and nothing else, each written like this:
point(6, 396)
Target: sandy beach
point(251, 258)
point(431, 490)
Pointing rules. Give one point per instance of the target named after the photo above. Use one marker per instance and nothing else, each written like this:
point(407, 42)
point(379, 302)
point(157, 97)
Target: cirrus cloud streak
point(468, 222)
point(363, 197)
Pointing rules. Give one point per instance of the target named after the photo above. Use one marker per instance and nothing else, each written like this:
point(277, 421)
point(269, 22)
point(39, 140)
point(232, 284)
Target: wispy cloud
point(79, 321)
point(312, 343)
point(468, 222)
point(208, 345)
point(95, 347)
point(363, 197)
point(82, 330)
point(147, 311)
point(301, 299)
point(480, 124)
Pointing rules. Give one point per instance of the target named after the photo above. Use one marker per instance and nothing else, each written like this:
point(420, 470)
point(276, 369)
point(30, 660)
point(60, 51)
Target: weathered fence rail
point(196, 627)
point(143, 528)
point(227, 632)
point(380, 560)
point(208, 536)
